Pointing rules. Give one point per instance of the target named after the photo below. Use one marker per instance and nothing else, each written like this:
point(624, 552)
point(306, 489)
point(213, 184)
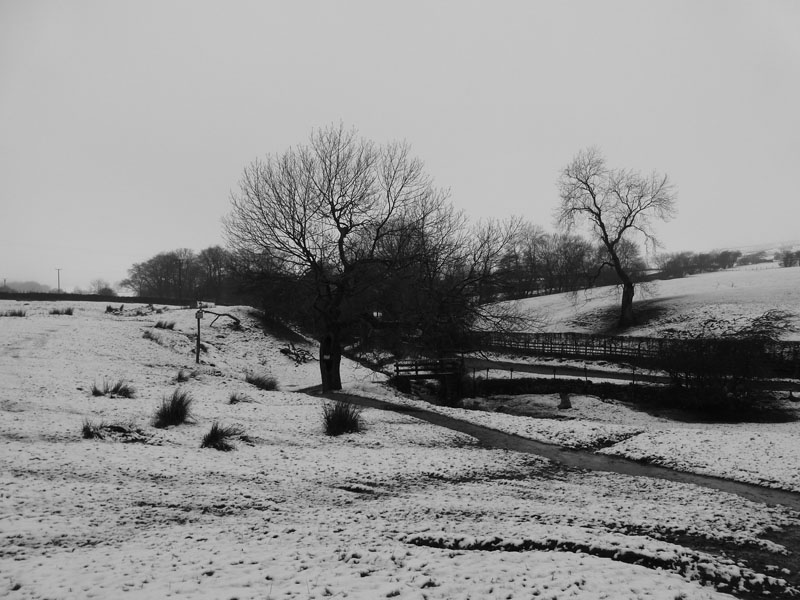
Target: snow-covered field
point(404, 509)
point(721, 302)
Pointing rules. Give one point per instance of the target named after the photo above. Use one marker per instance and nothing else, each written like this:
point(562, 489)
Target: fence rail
point(784, 356)
point(432, 367)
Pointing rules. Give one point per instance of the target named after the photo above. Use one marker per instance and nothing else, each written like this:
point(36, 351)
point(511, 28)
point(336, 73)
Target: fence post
point(198, 315)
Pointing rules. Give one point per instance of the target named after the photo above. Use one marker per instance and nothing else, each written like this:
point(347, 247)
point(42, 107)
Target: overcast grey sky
point(125, 125)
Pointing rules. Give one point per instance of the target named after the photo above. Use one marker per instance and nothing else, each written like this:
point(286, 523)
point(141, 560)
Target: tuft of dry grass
point(174, 410)
point(237, 397)
point(185, 375)
point(341, 417)
point(120, 389)
point(91, 430)
point(62, 311)
point(219, 437)
point(13, 313)
point(262, 382)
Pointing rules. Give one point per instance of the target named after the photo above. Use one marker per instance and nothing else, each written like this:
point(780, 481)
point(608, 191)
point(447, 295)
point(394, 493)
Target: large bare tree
point(618, 205)
point(339, 213)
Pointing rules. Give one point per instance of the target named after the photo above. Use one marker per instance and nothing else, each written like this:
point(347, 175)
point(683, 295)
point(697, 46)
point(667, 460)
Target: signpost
point(198, 315)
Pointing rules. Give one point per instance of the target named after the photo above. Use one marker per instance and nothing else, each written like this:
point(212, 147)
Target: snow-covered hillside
point(727, 301)
point(402, 510)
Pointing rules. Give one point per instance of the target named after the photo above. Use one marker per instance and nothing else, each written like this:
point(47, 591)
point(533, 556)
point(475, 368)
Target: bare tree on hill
point(618, 205)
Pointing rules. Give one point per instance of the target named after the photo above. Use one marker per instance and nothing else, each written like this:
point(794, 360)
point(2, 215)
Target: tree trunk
point(330, 358)
point(626, 316)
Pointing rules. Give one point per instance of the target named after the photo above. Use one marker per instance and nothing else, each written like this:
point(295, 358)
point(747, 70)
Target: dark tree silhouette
point(617, 204)
point(337, 215)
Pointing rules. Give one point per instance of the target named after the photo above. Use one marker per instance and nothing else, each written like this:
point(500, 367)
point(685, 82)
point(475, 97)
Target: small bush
point(237, 397)
point(62, 311)
point(174, 409)
point(219, 437)
point(341, 417)
point(13, 313)
point(262, 382)
point(165, 325)
point(152, 336)
point(91, 430)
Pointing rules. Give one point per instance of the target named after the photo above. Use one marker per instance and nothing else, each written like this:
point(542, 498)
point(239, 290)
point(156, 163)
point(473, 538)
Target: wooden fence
point(428, 368)
point(783, 356)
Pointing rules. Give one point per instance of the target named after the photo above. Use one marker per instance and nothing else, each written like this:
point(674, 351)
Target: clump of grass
point(174, 409)
point(13, 313)
point(185, 375)
point(62, 311)
point(91, 430)
point(341, 417)
point(219, 437)
point(237, 397)
point(165, 325)
point(151, 335)
point(120, 389)
point(262, 382)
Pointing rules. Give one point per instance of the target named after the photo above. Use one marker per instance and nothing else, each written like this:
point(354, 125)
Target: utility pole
point(59, 280)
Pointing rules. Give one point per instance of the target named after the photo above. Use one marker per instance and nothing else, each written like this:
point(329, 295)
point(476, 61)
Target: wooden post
point(198, 315)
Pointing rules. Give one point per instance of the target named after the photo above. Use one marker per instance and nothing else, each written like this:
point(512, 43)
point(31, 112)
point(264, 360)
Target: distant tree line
point(682, 264)
point(787, 258)
point(532, 262)
point(539, 263)
point(185, 274)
